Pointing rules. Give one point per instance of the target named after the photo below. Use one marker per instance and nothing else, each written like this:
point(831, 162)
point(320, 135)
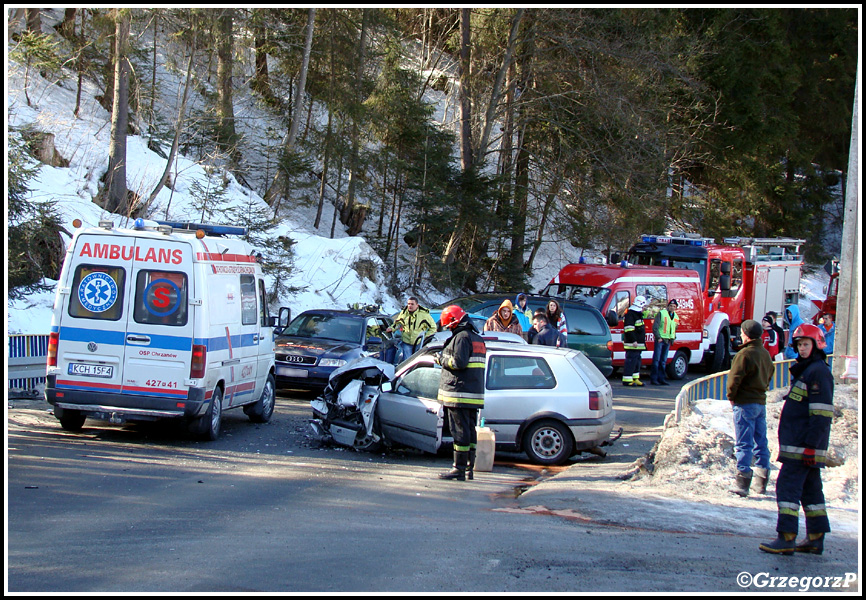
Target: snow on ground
point(693, 461)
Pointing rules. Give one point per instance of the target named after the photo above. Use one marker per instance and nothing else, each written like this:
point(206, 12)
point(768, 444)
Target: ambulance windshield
point(594, 296)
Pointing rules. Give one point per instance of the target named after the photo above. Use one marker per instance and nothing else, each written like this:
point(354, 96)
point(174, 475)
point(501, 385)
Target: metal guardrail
point(25, 361)
point(716, 386)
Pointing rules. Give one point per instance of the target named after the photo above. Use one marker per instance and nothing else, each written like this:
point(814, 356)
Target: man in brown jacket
point(750, 375)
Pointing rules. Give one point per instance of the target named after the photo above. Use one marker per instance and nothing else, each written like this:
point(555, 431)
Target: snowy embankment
point(693, 460)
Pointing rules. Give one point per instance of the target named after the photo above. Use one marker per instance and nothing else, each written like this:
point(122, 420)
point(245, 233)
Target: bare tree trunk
point(34, 20)
point(521, 195)
point(115, 184)
point(67, 26)
point(542, 224)
point(178, 126)
point(153, 66)
point(325, 161)
point(261, 80)
point(280, 182)
point(349, 205)
point(496, 92)
point(79, 65)
point(226, 135)
point(466, 162)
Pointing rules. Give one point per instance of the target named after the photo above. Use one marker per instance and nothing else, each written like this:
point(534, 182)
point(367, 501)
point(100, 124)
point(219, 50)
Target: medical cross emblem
point(97, 292)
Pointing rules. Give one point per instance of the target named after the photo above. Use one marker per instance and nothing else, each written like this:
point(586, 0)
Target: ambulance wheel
point(678, 366)
point(208, 425)
point(261, 410)
point(70, 420)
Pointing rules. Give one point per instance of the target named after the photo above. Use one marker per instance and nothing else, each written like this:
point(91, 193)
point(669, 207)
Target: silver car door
point(410, 414)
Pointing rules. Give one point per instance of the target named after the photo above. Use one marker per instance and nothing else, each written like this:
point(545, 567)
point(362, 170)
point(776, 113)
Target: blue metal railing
point(716, 386)
point(27, 356)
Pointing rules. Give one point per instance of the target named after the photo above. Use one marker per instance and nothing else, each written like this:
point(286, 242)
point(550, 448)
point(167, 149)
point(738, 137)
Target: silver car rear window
point(588, 370)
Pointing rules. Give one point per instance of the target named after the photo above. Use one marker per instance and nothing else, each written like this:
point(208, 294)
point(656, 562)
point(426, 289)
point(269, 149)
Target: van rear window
point(97, 292)
point(161, 298)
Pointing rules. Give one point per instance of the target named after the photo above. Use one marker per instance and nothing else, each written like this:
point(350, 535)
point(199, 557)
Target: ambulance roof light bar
point(216, 230)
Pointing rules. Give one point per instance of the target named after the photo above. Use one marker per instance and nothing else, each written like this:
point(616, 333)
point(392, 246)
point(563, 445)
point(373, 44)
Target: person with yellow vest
point(664, 334)
point(461, 387)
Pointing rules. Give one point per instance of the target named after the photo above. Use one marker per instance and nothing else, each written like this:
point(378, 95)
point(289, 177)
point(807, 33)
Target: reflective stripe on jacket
point(634, 334)
point(461, 383)
point(808, 411)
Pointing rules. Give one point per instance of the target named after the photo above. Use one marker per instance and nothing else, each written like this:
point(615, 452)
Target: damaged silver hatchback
point(550, 403)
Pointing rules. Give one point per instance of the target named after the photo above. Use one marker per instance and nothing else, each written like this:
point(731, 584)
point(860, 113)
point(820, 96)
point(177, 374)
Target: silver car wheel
point(548, 442)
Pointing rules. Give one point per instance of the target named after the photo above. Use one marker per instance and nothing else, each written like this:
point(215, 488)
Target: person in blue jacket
point(792, 316)
point(828, 325)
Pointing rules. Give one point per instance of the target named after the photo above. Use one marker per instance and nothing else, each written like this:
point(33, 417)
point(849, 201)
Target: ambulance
point(160, 322)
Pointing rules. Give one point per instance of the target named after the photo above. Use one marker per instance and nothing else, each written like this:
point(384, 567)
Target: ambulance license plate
point(288, 372)
point(87, 370)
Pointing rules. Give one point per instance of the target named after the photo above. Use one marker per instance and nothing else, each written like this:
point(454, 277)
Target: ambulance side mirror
point(285, 317)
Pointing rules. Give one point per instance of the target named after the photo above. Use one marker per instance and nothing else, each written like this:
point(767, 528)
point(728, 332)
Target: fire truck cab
point(742, 278)
point(717, 287)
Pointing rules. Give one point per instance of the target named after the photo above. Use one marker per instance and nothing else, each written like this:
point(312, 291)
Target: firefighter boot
point(759, 480)
point(458, 469)
point(470, 467)
point(813, 544)
point(785, 544)
point(741, 484)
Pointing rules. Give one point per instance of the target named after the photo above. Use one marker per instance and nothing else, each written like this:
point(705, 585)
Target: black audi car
point(318, 341)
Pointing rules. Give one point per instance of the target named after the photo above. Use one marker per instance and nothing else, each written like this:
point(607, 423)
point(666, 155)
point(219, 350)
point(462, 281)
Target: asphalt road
point(266, 508)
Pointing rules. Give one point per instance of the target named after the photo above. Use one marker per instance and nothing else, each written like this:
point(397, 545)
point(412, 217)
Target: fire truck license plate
point(91, 370)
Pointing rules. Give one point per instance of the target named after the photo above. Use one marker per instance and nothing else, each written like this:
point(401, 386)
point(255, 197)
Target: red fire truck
point(829, 304)
point(717, 287)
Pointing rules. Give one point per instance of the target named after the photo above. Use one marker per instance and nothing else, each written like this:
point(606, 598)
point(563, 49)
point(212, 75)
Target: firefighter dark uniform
point(461, 391)
point(804, 437)
point(634, 341)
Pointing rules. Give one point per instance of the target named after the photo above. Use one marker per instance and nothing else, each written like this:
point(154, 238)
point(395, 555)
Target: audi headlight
point(332, 362)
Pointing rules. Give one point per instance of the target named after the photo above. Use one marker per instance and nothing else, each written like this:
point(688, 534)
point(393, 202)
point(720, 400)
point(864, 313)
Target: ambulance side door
point(159, 336)
point(247, 350)
point(91, 324)
point(265, 339)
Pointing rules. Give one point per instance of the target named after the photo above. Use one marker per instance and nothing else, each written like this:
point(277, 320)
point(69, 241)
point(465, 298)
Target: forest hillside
point(430, 151)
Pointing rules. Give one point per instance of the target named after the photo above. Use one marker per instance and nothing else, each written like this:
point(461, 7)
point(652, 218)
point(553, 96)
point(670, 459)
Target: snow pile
point(695, 457)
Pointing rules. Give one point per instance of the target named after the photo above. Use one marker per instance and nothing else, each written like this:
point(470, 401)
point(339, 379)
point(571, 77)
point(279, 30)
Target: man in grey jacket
point(751, 372)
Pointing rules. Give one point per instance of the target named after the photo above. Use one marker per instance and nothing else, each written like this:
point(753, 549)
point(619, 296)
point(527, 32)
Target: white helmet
point(640, 301)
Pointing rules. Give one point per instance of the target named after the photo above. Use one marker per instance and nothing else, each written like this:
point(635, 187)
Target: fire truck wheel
point(721, 354)
point(678, 366)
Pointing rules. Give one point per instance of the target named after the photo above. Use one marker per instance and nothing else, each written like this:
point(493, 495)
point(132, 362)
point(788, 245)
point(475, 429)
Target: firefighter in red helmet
point(461, 387)
point(804, 437)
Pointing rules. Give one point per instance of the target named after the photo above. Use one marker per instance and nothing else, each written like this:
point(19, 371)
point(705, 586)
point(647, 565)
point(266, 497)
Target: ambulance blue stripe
point(79, 334)
point(215, 344)
point(166, 342)
point(118, 338)
point(157, 342)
